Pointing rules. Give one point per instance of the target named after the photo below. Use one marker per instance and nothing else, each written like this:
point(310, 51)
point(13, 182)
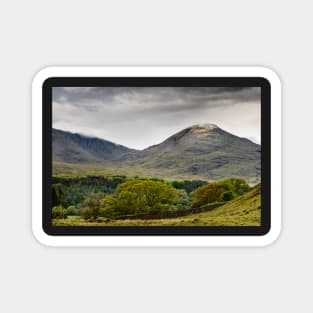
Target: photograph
point(156, 156)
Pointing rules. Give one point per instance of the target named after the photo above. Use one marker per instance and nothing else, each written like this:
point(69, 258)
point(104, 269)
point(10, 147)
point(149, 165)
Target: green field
point(242, 211)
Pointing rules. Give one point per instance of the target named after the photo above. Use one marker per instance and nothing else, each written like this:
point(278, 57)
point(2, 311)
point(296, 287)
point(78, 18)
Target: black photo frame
point(261, 82)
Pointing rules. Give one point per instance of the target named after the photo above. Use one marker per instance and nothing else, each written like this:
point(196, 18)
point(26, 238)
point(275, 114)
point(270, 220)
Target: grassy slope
point(114, 168)
point(242, 211)
point(212, 155)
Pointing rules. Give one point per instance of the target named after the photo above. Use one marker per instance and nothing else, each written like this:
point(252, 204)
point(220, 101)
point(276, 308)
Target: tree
point(77, 188)
point(59, 212)
point(148, 196)
point(207, 194)
point(183, 201)
point(108, 207)
point(58, 196)
point(223, 190)
point(238, 185)
point(188, 185)
point(87, 213)
point(72, 210)
point(91, 205)
point(139, 196)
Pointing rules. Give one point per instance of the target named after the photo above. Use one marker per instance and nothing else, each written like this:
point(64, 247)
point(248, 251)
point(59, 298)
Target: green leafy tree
point(59, 212)
point(108, 207)
point(188, 185)
point(183, 201)
point(72, 210)
point(223, 190)
point(207, 194)
point(77, 188)
point(139, 196)
point(238, 185)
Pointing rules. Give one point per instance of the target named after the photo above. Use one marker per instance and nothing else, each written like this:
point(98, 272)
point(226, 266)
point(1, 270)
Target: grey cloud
point(142, 116)
point(154, 98)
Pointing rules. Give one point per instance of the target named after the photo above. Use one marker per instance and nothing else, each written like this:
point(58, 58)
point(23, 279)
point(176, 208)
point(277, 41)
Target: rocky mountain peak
point(202, 128)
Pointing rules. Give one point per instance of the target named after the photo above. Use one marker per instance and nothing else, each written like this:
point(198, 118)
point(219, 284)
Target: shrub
point(72, 210)
point(227, 196)
point(59, 212)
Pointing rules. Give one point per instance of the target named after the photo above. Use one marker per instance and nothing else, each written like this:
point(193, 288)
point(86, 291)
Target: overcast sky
point(138, 117)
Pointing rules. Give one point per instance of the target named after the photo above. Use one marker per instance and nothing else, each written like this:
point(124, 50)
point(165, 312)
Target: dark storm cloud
point(165, 99)
point(142, 116)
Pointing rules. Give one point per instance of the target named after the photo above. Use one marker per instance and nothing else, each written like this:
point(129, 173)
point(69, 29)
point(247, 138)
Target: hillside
point(75, 148)
point(242, 211)
point(204, 151)
point(198, 152)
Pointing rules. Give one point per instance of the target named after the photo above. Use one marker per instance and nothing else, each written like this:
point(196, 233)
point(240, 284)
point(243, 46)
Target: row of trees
point(59, 211)
point(139, 196)
point(73, 190)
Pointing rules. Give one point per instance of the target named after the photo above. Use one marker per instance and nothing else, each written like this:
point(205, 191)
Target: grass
point(107, 169)
point(137, 169)
point(242, 211)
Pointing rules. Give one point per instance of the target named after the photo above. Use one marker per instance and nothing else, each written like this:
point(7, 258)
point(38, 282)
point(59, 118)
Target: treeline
point(73, 190)
point(141, 196)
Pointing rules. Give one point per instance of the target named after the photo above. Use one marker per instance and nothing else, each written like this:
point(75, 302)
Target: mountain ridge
point(77, 148)
point(201, 150)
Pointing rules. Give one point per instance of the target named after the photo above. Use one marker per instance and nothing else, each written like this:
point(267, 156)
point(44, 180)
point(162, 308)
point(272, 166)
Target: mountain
point(75, 148)
point(202, 151)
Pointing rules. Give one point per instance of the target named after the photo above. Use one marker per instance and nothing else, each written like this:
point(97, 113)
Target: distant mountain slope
point(75, 148)
point(202, 151)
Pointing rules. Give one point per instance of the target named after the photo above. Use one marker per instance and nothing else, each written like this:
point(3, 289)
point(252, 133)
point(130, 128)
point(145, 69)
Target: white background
point(36, 34)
